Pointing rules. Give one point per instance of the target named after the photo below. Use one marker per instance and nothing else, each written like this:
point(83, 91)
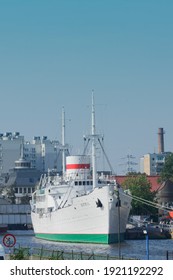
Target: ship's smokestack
point(160, 140)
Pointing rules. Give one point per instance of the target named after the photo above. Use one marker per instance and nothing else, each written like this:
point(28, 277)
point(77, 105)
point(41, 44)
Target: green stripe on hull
point(81, 238)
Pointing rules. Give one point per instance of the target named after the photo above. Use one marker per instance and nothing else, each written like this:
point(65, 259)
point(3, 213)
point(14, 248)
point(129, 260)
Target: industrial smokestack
point(160, 140)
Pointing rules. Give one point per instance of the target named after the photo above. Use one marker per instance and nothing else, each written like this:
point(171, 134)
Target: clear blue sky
point(53, 53)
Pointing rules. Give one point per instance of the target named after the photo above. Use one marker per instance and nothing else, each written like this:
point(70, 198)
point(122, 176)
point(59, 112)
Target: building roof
point(155, 185)
point(152, 179)
point(23, 177)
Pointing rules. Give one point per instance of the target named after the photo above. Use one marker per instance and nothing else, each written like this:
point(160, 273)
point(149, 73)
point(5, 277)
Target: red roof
point(154, 182)
point(152, 179)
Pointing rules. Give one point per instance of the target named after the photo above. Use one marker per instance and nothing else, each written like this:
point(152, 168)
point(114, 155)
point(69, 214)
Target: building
point(23, 180)
point(165, 195)
point(42, 153)
point(152, 163)
point(10, 144)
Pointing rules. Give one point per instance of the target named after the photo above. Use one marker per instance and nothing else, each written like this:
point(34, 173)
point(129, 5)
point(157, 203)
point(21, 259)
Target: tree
point(140, 187)
point(167, 171)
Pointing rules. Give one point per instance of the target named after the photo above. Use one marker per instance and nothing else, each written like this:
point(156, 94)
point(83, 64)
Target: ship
point(79, 205)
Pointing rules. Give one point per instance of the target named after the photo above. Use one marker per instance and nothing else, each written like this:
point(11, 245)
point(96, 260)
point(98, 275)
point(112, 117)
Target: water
point(129, 248)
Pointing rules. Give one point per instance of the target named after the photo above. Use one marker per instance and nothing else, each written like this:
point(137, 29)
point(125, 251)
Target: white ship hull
point(84, 220)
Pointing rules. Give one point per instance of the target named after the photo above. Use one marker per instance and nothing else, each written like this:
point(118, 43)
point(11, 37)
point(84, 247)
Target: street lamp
point(145, 231)
point(118, 204)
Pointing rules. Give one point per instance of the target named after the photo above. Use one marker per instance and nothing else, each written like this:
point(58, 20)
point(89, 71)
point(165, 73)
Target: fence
point(46, 254)
point(169, 255)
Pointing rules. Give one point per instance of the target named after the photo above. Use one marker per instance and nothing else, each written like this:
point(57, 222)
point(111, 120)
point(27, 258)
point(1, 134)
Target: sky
point(53, 53)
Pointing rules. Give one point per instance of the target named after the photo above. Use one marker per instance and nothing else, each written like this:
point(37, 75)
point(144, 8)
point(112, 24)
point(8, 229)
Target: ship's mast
point(63, 140)
point(93, 135)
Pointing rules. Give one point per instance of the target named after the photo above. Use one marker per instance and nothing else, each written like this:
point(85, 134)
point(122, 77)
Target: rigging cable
point(150, 203)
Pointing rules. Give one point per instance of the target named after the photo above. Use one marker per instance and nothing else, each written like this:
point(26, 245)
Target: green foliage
point(19, 255)
point(57, 257)
point(167, 171)
point(139, 186)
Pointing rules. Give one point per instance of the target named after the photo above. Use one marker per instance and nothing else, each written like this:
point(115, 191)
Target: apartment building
point(42, 153)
